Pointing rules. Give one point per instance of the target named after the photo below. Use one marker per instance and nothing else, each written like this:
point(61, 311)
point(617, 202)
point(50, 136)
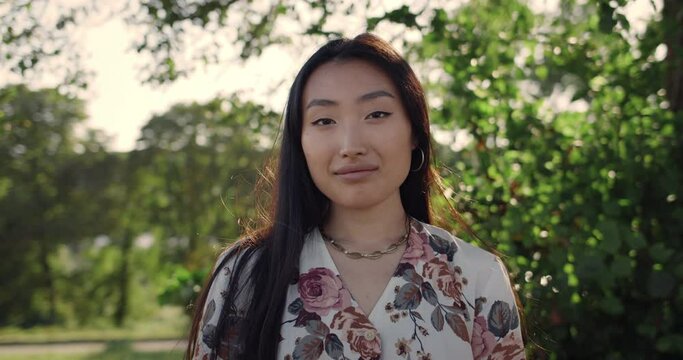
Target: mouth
point(345, 170)
point(355, 172)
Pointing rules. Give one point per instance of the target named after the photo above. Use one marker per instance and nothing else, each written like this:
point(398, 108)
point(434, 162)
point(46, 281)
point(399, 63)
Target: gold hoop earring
point(422, 161)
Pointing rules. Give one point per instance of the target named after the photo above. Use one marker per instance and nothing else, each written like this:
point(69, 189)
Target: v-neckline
point(329, 261)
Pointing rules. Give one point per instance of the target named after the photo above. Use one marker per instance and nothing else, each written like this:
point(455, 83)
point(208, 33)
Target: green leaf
point(623, 21)
point(660, 253)
point(635, 240)
point(542, 72)
point(660, 284)
point(621, 266)
point(611, 240)
point(612, 305)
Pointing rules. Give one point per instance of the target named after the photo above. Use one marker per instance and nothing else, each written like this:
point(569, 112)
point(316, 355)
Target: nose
point(352, 142)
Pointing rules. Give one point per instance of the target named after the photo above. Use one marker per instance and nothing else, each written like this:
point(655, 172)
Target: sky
point(120, 104)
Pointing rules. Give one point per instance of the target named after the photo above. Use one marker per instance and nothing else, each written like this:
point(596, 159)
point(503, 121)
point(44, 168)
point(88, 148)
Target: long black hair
point(298, 206)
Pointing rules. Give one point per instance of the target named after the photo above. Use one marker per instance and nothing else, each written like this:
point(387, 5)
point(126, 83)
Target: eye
point(378, 114)
point(323, 121)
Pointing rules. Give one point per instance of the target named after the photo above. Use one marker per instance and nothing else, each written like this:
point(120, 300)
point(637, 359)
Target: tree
point(574, 167)
point(582, 200)
point(35, 31)
point(36, 141)
point(201, 161)
point(189, 183)
point(200, 155)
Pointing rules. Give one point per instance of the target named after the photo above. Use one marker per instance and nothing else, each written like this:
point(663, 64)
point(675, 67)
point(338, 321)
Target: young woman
point(348, 266)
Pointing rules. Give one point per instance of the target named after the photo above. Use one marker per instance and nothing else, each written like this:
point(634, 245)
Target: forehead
point(337, 80)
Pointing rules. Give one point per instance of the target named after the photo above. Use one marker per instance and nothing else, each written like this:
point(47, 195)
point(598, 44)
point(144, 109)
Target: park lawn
point(115, 351)
point(169, 323)
point(133, 355)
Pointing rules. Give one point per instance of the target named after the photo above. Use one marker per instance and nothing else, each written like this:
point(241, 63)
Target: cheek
point(314, 153)
point(403, 163)
point(399, 145)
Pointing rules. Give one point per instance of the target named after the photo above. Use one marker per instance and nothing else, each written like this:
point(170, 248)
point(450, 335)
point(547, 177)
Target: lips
point(351, 169)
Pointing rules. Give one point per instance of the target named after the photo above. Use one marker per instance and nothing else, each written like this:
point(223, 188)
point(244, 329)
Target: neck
point(367, 229)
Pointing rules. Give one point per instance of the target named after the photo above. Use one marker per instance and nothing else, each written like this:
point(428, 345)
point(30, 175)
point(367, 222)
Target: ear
point(413, 142)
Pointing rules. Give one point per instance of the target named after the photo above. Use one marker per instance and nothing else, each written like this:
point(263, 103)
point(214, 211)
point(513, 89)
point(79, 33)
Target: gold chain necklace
point(372, 255)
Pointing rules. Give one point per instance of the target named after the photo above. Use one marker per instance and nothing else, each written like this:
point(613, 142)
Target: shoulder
point(463, 250)
point(240, 251)
point(490, 296)
point(230, 272)
point(234, 264)
point(482, 267)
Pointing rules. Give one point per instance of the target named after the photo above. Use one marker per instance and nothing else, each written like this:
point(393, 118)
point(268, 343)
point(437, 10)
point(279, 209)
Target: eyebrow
point(366, 97)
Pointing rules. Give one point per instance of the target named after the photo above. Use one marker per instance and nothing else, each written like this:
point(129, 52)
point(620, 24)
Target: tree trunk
point(672, 14)
point(44, 252)
point(124, 279)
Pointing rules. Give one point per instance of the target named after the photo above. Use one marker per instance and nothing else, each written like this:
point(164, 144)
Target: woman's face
point(356, 136)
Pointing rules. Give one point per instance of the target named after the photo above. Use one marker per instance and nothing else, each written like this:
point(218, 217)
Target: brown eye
point(323, 121)
point(378, 114)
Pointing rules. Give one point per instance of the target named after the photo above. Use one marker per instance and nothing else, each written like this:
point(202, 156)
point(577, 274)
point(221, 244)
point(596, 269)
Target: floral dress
point(446, 300)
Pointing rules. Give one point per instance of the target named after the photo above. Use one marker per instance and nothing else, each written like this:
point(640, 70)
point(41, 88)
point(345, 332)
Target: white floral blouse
point(446, 300)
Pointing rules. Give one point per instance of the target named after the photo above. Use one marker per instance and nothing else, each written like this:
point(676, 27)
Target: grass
point(116, 350)
point(103, 342)
point(169, 323)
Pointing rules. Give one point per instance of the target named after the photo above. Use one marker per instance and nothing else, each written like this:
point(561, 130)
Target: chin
point(357, 201)
point(357, 205)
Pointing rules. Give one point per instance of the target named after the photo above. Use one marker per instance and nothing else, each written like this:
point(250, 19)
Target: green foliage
point(30, 40)
point(35, 145)
point(183, 286)
point(96, 234)
point(200, 161)
point(566, 157)
point(584, 204)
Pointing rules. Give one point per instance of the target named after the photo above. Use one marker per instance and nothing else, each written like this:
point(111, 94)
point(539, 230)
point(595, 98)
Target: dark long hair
point(298, 206)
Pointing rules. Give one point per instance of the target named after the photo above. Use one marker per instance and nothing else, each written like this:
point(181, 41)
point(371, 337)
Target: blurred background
point(132, 134)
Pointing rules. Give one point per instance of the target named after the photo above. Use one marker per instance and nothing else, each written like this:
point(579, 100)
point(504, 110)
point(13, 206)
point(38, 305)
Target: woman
point(349, 265)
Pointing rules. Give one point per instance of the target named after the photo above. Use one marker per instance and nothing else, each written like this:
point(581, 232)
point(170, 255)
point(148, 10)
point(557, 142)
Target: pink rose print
point(449, 281)
point(359, 332)
point(418, 248)
point(321, 291)
point(483, 340)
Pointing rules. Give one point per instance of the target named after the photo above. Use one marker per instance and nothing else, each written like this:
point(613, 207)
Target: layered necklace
point(371, 255)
